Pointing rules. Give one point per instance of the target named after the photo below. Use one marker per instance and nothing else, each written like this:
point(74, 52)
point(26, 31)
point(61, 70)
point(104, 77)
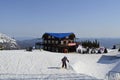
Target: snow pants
point(64, 64)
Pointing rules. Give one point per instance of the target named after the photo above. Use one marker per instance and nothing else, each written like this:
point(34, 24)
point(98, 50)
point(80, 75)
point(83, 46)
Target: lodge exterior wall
point(56, 44)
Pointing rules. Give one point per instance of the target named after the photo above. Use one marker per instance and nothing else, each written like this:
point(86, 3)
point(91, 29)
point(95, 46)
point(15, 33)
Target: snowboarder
point(64, 59)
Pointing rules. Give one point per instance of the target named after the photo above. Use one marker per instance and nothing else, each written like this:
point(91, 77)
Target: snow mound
point(96, 65)
point(7, 42)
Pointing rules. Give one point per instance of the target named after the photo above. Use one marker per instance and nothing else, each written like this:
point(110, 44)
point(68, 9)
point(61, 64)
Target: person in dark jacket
point(64, 60)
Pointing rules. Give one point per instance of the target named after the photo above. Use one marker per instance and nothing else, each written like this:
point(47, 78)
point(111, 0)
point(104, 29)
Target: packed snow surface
point(21, 63)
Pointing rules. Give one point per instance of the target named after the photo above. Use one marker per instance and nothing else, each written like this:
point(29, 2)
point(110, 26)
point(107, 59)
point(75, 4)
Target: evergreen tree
point(90, 44)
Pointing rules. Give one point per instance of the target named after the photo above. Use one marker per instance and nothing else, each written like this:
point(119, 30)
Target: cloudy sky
point(85, 18)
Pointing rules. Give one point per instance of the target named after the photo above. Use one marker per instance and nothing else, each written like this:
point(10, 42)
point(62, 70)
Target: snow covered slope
point(20, 64)
point(7, 42)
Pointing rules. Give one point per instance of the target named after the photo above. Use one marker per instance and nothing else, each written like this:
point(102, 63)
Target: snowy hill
point(43, 65)
point(7, 42)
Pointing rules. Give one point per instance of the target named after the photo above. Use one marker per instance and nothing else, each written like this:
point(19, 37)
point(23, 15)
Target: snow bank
point(97, 70)
point(97, 65)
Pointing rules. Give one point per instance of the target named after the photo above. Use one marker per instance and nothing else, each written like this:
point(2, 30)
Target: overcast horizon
point(85, 18)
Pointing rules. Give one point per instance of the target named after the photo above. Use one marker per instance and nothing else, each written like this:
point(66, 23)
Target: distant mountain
point(109, 42)
point(28, 43)
point(7, 42)
point(23, 38)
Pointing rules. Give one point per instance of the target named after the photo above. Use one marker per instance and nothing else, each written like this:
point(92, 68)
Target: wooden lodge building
point(59, 42)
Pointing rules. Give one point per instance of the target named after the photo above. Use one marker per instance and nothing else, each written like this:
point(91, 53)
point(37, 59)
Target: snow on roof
point(60, 35)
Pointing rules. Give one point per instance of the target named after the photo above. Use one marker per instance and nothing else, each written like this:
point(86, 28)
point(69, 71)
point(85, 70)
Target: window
point(45, 47)
point(61, 42)
point(48, 48)
point(67, 37)
point(52, 41)
point(56, 49)
point(52, 37)
point(72, 41)
point(53, 48)
point(69, 42)
point(49, 41)
point(64, 42)
point(56, 42)
point(45, 41)
point(49, 37)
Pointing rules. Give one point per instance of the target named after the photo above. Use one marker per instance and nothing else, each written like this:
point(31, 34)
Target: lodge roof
point(60, 35)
